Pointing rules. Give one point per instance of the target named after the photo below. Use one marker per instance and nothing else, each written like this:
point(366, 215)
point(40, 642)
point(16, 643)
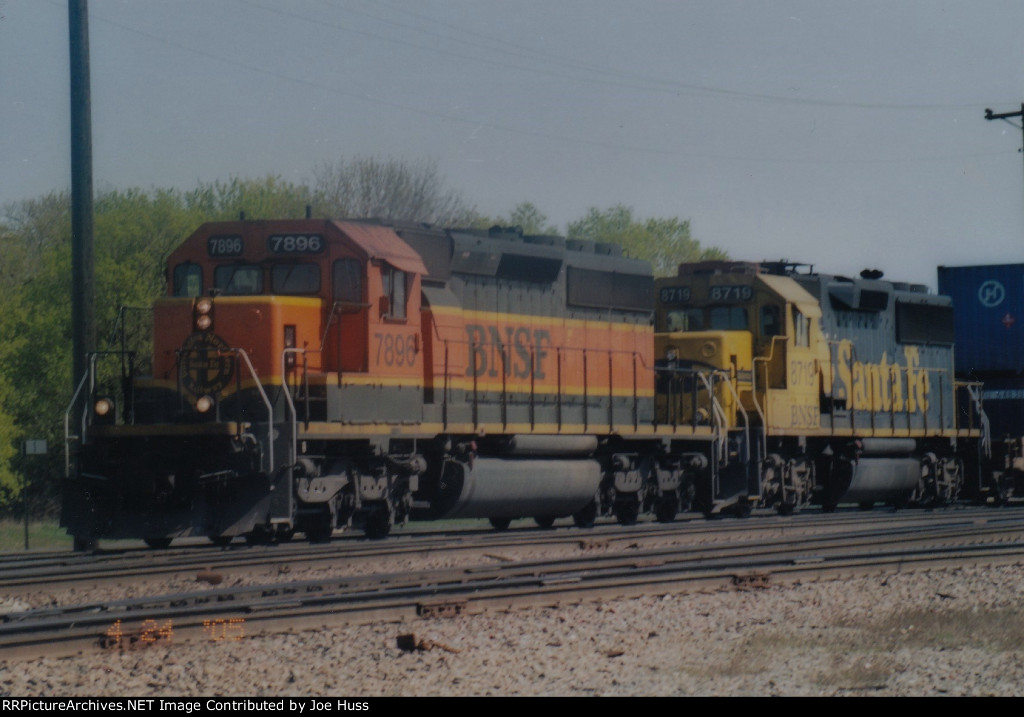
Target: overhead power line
point(1005, 116)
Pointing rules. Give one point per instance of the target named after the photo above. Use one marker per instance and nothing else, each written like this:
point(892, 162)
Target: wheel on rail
point(665, 508)
point(866, 505)
point(158, 543)
point(627, 511)
point(829, 507)
point(221, 541)
point(378, 524)
point(260, 535)
point(319, 526)
point(319, 533)
point(84, 545)
point(586, 517)
point(741, 508)
point(500, 523)
point(785, 508)
point(544, 521)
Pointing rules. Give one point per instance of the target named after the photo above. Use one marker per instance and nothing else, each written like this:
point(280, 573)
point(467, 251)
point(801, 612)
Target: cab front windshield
point(708, 318)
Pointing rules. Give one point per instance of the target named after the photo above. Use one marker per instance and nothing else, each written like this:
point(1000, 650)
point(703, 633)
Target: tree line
point(135, 230)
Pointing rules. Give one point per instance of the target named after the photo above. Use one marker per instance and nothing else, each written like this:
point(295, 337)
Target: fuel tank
point(882, 470)
point(516, 487)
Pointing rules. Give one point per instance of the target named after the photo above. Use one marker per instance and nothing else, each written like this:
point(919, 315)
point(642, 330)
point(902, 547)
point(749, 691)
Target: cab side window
point(347, 281)
point(802, 328)
point(771, 320)
point(394, 290)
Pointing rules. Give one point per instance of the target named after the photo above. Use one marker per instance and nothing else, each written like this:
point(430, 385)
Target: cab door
point(802, 409)
point(347, 321)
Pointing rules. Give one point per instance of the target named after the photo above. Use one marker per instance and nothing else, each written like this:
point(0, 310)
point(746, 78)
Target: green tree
point(134, 232)
point(529, 218)
point(665, 243)
point(10, 484)
point(270, 197)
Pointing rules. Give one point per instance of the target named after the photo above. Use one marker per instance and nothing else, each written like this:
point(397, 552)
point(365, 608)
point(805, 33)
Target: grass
point(861, 654)
point(996, 630)
point(42, 535)
point(48, 535)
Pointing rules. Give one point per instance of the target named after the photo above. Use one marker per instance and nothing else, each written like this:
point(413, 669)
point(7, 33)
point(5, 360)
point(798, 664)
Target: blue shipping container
point(988, 304)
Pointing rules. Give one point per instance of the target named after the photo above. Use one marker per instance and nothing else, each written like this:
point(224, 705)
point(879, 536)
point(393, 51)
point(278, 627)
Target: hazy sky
point(843, 134)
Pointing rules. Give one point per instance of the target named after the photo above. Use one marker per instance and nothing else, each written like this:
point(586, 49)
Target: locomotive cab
point(760, 331)
point(318, 309)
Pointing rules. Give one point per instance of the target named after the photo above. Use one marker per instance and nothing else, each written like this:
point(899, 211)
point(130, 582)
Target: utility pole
point(83, 318)
point(989, 115)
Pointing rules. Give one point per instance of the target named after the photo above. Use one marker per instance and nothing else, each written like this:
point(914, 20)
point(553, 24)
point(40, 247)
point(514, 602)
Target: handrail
point(288, 396)
point(88, 377)
point(266, 402)
point(67, 426)
point(753, 387)
point(739, 409)
point(716, 410)
point(288, 400)
point(334, 310)
point(986, 427)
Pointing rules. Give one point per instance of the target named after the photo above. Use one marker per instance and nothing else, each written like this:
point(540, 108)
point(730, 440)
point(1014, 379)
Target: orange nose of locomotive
point(213, 346)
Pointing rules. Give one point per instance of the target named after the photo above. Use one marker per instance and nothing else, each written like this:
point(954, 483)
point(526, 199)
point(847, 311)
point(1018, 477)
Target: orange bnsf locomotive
point(308, 375)
point(312, 374)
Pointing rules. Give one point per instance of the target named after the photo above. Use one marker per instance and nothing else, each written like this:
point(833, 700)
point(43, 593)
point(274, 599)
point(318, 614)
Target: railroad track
point(237, 612)
point(22, 573)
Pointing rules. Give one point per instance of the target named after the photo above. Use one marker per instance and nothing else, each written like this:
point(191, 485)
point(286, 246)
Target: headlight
point(204, 404)
point(103, 407)
point(202, 313)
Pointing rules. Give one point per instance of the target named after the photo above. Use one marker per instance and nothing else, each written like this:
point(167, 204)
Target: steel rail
point(27, 573)
point(286, 607)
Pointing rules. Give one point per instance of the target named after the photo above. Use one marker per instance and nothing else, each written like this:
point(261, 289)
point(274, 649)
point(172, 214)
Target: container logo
point(991, 293)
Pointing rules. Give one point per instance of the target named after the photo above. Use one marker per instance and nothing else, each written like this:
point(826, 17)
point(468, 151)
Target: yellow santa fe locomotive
point(844, 388)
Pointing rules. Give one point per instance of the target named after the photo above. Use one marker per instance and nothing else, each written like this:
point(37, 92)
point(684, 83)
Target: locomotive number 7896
point(395, 349)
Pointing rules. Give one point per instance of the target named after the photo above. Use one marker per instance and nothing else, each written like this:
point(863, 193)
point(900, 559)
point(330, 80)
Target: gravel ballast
point(954, 632)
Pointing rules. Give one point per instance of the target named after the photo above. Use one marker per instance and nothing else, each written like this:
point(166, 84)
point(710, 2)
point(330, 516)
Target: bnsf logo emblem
point(513, 346)
point(207, 364)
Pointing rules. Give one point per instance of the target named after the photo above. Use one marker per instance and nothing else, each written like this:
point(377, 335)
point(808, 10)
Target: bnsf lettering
point(491, 347)
point(806, 416)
